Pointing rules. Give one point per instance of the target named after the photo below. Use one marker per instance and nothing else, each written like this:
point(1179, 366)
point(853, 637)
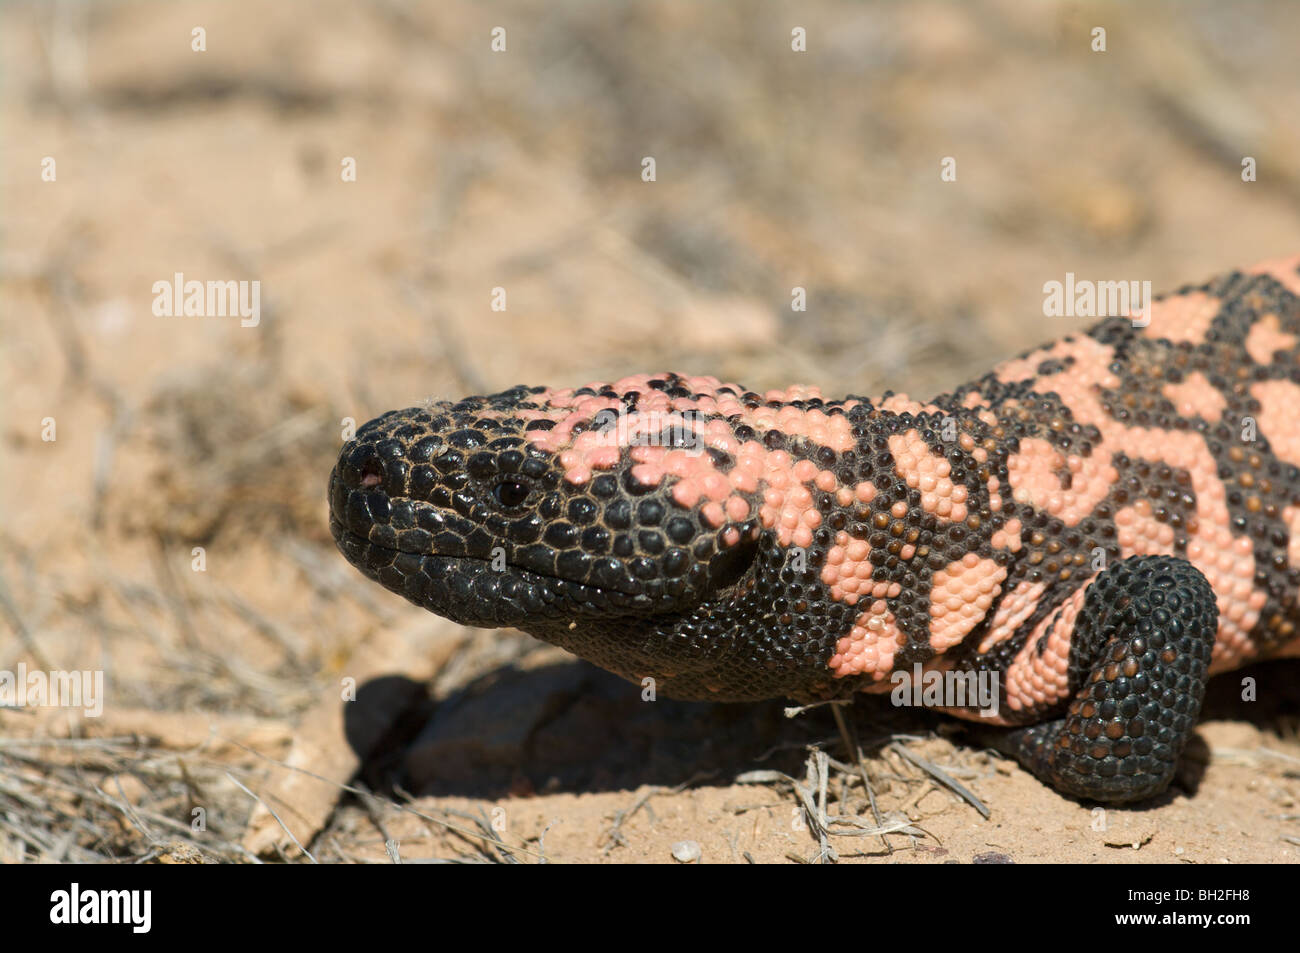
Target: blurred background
point(128, 155)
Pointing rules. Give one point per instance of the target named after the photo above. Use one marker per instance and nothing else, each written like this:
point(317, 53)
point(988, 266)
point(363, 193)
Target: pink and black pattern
point(1101, 522)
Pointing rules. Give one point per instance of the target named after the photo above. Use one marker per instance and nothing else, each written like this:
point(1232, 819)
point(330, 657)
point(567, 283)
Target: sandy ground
point(173, 534)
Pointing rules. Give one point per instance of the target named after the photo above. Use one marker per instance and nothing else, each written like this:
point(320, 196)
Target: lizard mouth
point(472, 591)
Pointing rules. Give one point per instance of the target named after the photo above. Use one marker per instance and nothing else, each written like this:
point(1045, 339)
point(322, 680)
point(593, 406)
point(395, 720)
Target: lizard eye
point(510, 493)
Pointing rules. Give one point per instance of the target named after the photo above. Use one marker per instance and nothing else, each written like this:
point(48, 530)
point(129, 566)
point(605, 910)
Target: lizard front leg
point(1139, 659)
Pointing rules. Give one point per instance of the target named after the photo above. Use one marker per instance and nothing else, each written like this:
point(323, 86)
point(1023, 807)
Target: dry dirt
point(174, 534)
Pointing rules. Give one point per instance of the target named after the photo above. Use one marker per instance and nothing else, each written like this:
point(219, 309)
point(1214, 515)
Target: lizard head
point(660, 525)
point(532, 505)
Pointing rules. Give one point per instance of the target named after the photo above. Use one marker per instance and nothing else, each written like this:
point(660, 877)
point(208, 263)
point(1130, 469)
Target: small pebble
point(686, 851)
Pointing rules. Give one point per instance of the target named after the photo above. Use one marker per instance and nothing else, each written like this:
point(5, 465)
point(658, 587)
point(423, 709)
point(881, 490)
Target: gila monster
point(1100, 524)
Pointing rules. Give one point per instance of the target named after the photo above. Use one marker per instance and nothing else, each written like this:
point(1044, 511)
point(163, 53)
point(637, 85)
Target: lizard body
point(1100, 523)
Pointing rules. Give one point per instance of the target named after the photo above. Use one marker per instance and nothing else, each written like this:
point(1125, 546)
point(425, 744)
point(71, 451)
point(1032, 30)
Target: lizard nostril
point(372, 473)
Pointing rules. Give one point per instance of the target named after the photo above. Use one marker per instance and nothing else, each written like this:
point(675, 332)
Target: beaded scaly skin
point(1101, 523)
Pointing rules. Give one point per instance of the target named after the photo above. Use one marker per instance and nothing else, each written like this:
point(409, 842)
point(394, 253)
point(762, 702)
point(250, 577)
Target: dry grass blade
point(943, 777)
point(271, 811)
